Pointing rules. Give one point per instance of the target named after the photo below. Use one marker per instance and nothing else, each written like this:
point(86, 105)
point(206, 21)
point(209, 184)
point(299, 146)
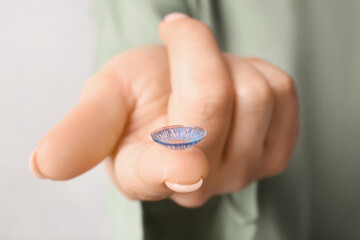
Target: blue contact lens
point(178, 137)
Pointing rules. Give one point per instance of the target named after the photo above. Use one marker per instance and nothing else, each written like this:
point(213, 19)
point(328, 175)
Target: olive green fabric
point(316, 41)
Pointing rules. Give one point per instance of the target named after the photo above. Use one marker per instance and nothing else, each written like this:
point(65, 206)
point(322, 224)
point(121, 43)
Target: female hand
point(248, 107)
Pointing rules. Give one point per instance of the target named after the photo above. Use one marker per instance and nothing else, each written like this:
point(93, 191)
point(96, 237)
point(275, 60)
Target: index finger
point(88, 133)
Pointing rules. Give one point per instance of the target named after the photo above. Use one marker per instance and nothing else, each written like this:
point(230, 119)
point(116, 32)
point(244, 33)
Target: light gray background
point(46, 54)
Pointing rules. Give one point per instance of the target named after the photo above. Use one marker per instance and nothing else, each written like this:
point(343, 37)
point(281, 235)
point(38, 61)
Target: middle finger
point(201, 85)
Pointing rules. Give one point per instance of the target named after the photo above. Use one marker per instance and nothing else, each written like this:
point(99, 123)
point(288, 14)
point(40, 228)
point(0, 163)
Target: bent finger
point(284, 127)
point(254, 102)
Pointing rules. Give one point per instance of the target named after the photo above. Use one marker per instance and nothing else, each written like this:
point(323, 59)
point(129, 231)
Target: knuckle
point(284, 84)
point(281, 82)
point(209, 103)
point(209, 107)
point(255, 92)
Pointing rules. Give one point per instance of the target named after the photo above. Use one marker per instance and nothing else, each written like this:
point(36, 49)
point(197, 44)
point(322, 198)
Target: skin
point(248, 107)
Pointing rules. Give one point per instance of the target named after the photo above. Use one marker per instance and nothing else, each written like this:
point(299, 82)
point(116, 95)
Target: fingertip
point(171, 23)
point(178, 171)
point(33, 165)
point(172, 17)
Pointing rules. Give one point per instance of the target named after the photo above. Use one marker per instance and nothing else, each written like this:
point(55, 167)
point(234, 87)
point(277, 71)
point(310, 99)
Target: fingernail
point(184, 188)
point(33, 165)
point(175, 16)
